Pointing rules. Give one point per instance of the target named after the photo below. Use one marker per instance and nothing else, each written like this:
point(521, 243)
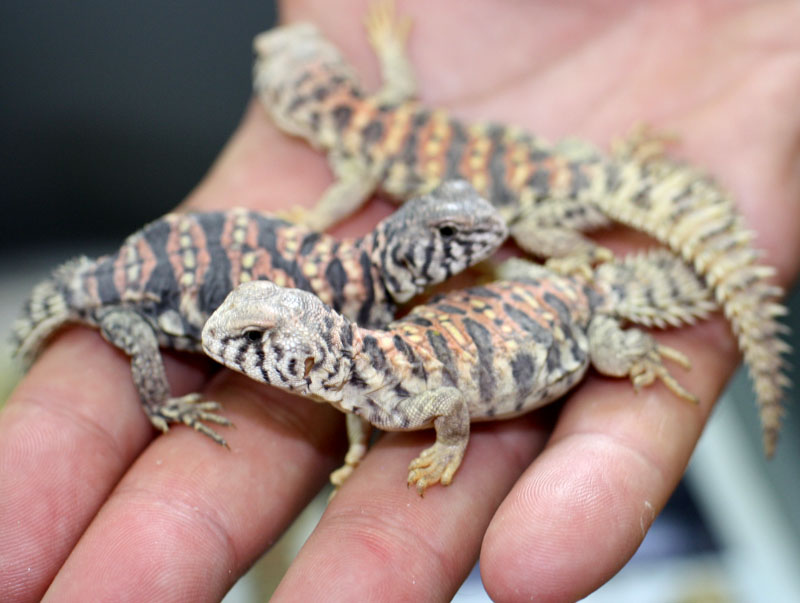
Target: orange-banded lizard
point(547, 192)
point(158, 289)
point(484, 353)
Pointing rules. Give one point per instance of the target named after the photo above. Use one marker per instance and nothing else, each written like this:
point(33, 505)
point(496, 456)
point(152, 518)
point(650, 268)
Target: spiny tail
point(654, 288)
point(48, 307)
point(694, 217)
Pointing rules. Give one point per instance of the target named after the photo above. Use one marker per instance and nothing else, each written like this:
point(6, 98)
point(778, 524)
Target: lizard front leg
point(567, 250)
point(358, 431)
point(355, 182)
point(130, 332)
point(618, 352)
point(388, 36)
point(445, 407)
point(552, 229)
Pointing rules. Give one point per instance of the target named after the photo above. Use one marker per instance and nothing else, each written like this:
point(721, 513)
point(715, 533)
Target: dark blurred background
point(111, 112)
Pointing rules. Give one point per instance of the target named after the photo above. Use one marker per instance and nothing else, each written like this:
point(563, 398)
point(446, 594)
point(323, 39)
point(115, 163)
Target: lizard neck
point(374, 371)
point(356, 363)
point(387, 249)
point(387, 369)
point(346, 274)
point(372, 366)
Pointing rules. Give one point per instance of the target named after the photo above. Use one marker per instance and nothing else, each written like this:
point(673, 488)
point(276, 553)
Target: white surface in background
point(761, 551)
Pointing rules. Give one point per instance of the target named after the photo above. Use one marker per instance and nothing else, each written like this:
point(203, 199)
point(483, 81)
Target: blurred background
point(111, 112)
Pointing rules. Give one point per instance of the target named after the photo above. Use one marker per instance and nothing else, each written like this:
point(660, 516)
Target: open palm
point(93, 502)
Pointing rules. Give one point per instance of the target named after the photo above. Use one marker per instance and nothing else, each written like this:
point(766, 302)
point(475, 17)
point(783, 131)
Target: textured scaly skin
point(484, 353)
point(158, 289)
point(547, 193)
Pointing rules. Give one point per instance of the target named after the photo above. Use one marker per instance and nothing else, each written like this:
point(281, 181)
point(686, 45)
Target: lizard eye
point(447, 231)
point(253, 335)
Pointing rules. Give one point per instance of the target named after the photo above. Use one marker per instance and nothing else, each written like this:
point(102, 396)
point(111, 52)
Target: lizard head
point(295, 71)
point(285, 337)
point(434, 236)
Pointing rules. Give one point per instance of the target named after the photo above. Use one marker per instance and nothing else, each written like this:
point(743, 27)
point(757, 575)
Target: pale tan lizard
point(479, 354)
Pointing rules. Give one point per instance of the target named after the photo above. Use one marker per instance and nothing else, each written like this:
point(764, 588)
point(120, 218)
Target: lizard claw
point(339, 477)
point(634, 354)
point(643, 144)
point(384, 26)
point(435, 464)
point(570, 266)
point(580, 264)
point(296, 215)
point(190, 410)
point(650, 367)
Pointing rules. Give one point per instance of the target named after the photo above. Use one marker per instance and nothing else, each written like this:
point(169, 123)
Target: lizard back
point(177, 270)
point(509, 346)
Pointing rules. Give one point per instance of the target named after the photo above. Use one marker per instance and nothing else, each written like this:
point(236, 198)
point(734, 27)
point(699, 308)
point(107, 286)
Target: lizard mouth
point(210, 345)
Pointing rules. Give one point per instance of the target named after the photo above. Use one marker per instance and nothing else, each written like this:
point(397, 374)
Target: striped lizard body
point(158, 289)
point(485, 353)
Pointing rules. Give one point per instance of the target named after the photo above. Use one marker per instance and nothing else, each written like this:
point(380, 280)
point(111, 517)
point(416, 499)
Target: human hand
point(554, 510)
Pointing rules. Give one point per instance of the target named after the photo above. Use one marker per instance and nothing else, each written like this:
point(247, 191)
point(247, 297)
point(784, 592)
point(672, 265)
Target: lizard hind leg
point(632, 353)
point(131, 333)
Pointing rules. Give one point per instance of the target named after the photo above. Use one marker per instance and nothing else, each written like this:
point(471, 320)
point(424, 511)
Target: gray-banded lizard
point(158, 289)
point(547, 193)
point(485, 353)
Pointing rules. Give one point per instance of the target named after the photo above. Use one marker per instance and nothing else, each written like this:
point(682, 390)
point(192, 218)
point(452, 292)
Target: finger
point(261, 168)
point(422, 547)
point(190, 516)
point(67, 434)
point(583, 507)
point(86, 415)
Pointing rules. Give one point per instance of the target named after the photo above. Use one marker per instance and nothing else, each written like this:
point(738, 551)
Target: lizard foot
point(650, 367)
point(295, 214)
point(358, 431)
point(384, 27)
point(190, 410)
point(352, 459)
point(634, 354)
point(339, 477)
point(580, 264)
point(643, 144)
point(436, 464)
